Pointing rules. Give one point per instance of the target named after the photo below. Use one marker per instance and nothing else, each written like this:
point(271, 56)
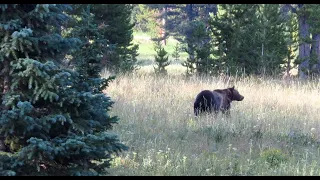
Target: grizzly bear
point(216, 100)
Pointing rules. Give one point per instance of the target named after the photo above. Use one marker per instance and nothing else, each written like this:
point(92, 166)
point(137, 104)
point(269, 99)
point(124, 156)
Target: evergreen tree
point(314, 22)
point(176, 52)
point(274, 48)
point(161, 60)
point(291, 41)
point(178, 17)
point(199, 45)
point(119, 32)
point(142, 16)
point(53, 120)
point(249, 37)
point(308, 60)
point(190, 65)
point(88, 58)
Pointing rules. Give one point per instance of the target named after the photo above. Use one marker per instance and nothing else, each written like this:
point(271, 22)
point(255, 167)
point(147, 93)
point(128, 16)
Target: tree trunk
point(215, 9)
point(284, 9)
point(304, 47)
point(6, 87)
point(189, 11)
point(315, 51)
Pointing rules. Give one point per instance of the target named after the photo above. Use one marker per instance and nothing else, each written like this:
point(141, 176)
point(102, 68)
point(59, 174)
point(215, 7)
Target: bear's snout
point(241, 98)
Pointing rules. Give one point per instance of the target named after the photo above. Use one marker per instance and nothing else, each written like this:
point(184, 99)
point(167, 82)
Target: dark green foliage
point(179, 19)
point(114, 24)
point(175, 20)
point(190, 66)
point(145, 19)
point(272, 39)
point(291, 41)
point(88, 57)
point(161, 60)
point(314, 21)
point(176, 52)
point(54, 120)
point(250, 37)
point(199, 49)
point(260, 39)
point(141, 16)
point(118, 30)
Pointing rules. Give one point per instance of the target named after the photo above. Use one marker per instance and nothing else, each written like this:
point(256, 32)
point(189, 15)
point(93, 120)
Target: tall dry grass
point(274, 131)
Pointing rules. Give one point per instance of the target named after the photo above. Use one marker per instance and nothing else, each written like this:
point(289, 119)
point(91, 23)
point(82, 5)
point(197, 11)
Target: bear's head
point(234, 94)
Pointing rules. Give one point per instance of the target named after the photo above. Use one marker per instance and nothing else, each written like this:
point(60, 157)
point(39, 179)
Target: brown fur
point(217, 100)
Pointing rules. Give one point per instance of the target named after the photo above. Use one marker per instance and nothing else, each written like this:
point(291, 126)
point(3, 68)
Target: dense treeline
point(259, 39)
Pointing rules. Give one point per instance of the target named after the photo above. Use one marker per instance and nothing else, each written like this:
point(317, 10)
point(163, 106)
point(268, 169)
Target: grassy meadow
point(273, 131)
point(146, 49)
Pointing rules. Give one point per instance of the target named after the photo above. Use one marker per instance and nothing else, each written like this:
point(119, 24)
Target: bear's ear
point(232, 87)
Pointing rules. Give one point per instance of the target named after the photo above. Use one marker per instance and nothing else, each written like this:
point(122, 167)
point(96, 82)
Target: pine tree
point(88, 58)
point(314, 22)
point(199, 47)
point(291, 41)
point(161, 60)
point(142, 16)
point(249, 37)
point(176, 52)
point(53, 120)
point(119, 32)
point(273, 45)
